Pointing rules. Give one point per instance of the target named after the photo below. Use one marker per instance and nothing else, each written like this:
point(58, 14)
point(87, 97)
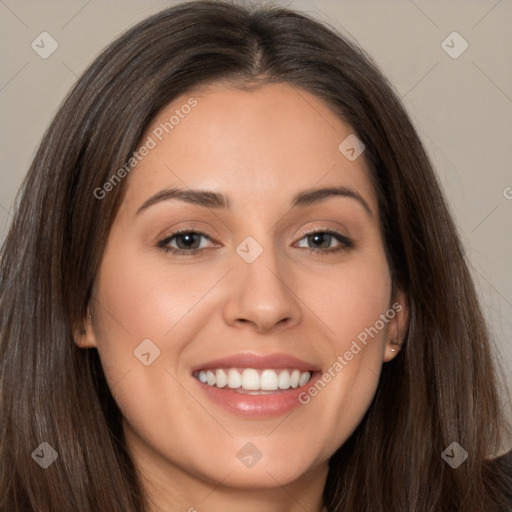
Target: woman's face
point(256, 306)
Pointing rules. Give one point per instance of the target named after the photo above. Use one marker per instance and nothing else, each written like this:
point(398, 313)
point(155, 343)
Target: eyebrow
point(217, 200)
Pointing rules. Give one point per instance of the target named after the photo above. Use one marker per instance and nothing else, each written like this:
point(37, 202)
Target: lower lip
point(257, 406)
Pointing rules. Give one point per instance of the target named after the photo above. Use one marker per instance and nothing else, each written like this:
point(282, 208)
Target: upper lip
point(252, 360)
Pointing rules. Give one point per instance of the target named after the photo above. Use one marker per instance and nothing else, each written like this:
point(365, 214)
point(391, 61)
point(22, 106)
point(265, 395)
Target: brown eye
point(187, 241)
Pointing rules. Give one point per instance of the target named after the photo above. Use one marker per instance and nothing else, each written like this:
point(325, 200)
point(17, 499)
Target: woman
point(172, 337)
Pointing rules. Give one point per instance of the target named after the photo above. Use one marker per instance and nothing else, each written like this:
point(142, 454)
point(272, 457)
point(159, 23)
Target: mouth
point(255, 386)
point(253, 381)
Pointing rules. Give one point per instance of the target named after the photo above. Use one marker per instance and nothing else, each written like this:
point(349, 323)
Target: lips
point(255, 386)
point(256, 361)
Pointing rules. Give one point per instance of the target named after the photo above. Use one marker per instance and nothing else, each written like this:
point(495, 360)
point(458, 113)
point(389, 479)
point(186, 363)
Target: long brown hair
point(441, 388)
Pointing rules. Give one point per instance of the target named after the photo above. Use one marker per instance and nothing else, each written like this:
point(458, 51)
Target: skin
point(260, 148)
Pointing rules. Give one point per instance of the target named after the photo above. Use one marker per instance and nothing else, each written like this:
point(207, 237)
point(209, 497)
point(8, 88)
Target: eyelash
point(346, 243)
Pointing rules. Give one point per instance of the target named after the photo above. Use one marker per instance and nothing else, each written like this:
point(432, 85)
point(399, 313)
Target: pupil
point(319, 235)
point(189, 239)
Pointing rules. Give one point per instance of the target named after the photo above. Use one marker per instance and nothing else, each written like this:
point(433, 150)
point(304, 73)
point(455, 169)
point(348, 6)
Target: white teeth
point(284, 380)
point(221, 377)
point(210, 378)
point(294, 378)
point(250, 379)
point(304, 377)
point(234, 379)
point(269, 380)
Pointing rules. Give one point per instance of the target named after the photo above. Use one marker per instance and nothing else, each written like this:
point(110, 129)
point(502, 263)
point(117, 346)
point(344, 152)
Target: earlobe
point(398, 327)
point(391, 351)
point(393, 345)
point(84, 336)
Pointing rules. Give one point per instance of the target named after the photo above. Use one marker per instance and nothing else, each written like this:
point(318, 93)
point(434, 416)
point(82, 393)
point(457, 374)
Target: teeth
point(234, 379)
point(269, 380)
point(304, 377)
point(294, 378)
point(250, 379)
point(221, 378)
point(210, 378)
point(283, 381)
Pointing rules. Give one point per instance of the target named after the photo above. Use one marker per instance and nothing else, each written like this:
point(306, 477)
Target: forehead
point(255, 146)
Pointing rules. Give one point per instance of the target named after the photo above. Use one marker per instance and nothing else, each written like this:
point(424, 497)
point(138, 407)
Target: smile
point(254, 381)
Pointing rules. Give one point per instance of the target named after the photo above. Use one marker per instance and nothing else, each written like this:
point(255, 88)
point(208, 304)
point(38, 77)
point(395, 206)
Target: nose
point(261, 294)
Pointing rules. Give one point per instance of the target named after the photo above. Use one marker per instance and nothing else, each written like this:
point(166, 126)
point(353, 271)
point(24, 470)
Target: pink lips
point(257, 406)
point(251, 360)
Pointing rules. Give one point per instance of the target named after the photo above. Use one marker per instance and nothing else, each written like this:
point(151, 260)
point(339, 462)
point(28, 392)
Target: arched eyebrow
point(209, 199)
point(317, 195)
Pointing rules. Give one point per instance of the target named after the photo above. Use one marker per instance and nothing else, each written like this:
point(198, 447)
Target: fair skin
point(260, 148)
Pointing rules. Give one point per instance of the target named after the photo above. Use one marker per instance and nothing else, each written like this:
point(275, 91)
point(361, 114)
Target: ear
point(84, 334)
point(397, 325)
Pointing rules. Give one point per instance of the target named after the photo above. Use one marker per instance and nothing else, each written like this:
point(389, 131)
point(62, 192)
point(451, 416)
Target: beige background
point(462, 107)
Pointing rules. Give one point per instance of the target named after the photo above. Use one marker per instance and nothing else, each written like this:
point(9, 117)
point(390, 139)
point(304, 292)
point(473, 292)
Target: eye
point(187, 240)
point(324, 238)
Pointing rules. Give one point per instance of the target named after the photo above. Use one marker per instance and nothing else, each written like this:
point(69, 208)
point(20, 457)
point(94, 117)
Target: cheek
point(142, 297)
point(131, 307)
point(350, 298)
point(350, 305)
